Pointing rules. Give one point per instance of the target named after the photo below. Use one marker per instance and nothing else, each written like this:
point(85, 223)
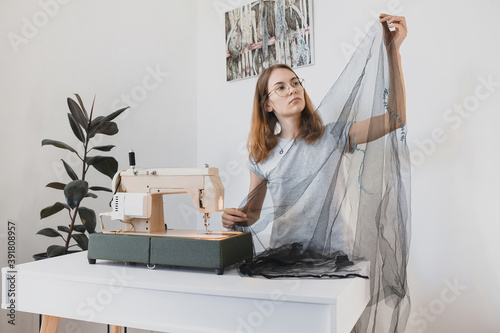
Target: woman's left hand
point(399, 23)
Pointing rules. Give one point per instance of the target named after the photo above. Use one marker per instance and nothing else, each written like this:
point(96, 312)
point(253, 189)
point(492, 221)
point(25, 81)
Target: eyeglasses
point(283, 89)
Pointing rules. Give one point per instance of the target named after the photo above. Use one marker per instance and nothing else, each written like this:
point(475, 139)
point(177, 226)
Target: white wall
point(453, 276)
point(192, 117)
point(107, 49)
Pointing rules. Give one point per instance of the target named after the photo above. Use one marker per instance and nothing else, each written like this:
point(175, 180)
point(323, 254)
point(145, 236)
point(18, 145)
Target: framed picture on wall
point(263, 33)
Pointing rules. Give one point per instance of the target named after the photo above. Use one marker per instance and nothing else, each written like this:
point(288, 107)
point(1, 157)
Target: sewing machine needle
point(206, 216)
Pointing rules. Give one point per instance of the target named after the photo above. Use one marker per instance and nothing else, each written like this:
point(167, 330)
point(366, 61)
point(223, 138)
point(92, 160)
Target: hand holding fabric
point(231, 216)
point(399, 34)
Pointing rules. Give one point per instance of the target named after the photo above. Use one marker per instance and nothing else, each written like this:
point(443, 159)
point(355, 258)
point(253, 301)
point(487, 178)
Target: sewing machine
point(138, 202)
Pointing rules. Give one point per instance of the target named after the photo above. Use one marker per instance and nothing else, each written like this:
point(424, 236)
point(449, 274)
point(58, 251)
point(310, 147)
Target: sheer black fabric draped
point(353, 202)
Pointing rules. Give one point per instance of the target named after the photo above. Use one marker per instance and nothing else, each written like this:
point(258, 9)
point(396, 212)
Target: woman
point(284, 114)
point(326, 201)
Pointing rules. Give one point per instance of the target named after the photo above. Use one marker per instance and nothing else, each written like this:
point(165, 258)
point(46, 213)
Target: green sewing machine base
point(184, 248)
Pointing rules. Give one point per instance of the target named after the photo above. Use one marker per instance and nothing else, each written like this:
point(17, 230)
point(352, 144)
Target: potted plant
point(85, 127)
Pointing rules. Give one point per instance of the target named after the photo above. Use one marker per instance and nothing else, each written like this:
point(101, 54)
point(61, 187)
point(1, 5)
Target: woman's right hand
point(231, 216)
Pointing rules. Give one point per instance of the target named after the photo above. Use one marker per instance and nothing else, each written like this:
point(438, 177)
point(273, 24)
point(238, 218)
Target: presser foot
point(206, 216)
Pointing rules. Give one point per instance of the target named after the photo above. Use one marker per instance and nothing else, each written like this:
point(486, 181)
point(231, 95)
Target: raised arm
point(395, 117)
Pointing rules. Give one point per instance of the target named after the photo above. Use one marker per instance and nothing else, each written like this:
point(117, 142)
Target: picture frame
point(263, 33)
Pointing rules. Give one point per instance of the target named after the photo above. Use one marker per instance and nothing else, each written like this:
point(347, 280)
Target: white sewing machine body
point(139, 199)
point(138, 202)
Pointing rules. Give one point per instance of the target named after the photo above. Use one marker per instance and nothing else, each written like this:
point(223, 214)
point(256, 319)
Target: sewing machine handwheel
point(219, 271)
point(92, 261)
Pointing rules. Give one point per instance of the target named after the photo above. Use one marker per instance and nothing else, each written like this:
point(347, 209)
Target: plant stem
point(73, 219)
point(84, 172)
point(85, 147)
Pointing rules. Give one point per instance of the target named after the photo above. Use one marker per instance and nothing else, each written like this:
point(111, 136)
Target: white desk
point(180, 300)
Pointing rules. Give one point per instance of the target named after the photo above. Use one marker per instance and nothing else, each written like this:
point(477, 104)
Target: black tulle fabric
point(291, 260)
point(366, 187)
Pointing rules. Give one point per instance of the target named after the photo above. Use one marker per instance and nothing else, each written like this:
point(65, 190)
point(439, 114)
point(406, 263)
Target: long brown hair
point(262, 139)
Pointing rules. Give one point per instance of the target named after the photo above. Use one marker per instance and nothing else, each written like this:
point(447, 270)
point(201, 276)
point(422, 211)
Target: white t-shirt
point(273, 159)
point(307, 191)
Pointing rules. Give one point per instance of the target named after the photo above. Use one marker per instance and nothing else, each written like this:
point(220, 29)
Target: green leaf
point(95, 122)
point(77, 130)
point(104, 148)
point(79, 228)
point(82, 106)
point(77, 113)
point(75, 191)
point(100, 188)
point(69, 170)
point(81, 240)
point(104, 164)
point(91, 113)
point(56, 185)
point(90, 195)
point(88, 218)
point(115, 114)
point(49, 232)
point(63, 228)
point(57, 144)
point(56, 250)
point(51, 210)
point(105, 127)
